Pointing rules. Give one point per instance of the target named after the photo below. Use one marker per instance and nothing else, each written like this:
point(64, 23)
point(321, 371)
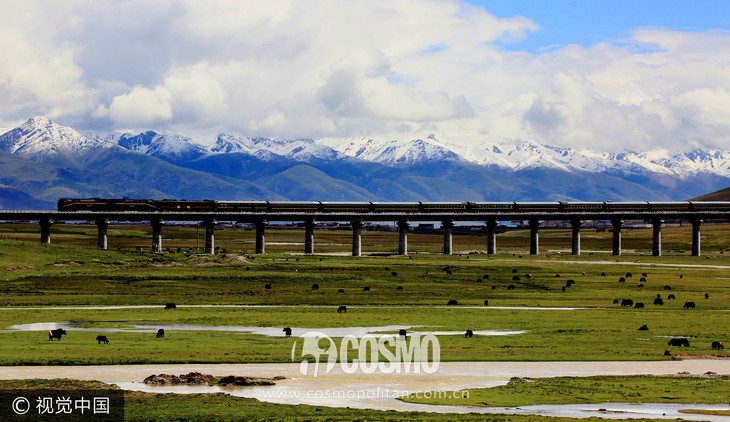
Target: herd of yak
point(678, 342)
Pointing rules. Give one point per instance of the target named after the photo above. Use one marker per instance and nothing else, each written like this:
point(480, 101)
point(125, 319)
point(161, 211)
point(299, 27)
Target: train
point(167, 205)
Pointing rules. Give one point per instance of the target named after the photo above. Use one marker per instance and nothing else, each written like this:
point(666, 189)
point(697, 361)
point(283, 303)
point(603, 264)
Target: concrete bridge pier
point(209, 236)
point(492, 236)
point(156, 235)
point(576, 236)
point(45, 230)
point(403, 237)
point(617, 236)
point(696, 237)
point(260, 236)
point(534, 236)
point(656, 244)
point(356, 237)
point(101, 237)
point(309, 236)
point(448, 227)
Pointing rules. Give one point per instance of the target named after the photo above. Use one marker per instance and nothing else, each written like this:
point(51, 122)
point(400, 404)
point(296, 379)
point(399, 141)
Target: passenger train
point(126, 204)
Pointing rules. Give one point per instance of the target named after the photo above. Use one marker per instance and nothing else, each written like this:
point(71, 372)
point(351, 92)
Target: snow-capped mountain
point(167, 146)
point(395, 153)
point(227, 166)
point(40, 139)
point(266, 148)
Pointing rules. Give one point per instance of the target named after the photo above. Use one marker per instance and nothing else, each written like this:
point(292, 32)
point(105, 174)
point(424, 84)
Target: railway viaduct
point(261, 219)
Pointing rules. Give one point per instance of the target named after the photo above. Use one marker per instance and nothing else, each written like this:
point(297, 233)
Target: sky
point(605, 75)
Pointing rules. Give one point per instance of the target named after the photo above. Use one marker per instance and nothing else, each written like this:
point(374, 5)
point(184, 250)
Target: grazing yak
point(57, 333)
point(679, 342)
point(615, 301)
point(717, 345)
point(170, 306)
point(486, 302)
point(453, 302)
point(102, 339)
point(643, 328)
point(287, 331)
point(621, 280)
point(342, 309)
point(689, 305)
point(671, 297)
point(707, 295)
point(658, 301)
point(366, 289)
point(399, 288)
point(340, 290)
point(160, 333)
point(267, 287)
point(402, 333)
point(627, 302)
point(639, 305)
point(315, 286)
point(469, 334)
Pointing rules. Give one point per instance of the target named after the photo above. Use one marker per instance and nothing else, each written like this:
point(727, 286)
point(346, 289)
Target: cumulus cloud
point(384, 69)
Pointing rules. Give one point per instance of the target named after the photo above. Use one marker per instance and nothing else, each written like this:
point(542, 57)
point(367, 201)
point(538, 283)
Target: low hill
point(720, 195)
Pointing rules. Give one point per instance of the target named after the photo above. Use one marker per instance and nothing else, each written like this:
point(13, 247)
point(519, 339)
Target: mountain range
point(41, 161)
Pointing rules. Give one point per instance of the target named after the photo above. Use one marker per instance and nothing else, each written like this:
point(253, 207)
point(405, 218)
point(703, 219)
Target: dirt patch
point(208, 264)
point(197, 378)
point(20, 268)
point(700, 356)
point(191, 378)
point(518, 380)
point(60, 265)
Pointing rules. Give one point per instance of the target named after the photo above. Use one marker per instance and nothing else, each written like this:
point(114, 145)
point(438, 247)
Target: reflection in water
point(265, 331)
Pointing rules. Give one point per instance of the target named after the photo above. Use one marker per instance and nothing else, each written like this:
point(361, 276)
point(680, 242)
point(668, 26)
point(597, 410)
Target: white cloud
point(329, 68)
point(141, 107)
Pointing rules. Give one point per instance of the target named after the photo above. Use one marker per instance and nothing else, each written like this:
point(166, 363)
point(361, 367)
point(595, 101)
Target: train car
point(106, 204)
point(442, 207)
point(490, 206)
point(710, 205)
point(183, 205)
point(395, 206)
point(582, 206)
point(669, 206)
point(626, 206)
point(241, 206)
point(358, 207)
point(537, 206)
point(293, 206)
point(83, 204)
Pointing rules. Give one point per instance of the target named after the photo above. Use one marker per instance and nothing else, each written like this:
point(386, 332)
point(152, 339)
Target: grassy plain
point(70, 272)
point(65, 280)
point(579, 390)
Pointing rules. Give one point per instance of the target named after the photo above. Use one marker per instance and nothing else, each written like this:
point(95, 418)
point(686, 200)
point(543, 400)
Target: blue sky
point(603, 75)
point(586, 22)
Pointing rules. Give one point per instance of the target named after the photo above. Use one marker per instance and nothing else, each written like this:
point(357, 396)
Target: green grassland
point(579, 390)
point(70, 272)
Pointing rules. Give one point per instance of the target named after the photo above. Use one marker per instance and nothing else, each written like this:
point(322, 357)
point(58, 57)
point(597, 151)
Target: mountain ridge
point(228, 166)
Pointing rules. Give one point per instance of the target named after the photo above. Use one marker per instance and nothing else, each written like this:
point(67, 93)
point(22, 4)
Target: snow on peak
point(302, 149)
point(166, 145)
point(395, 152)
point(41, 139)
